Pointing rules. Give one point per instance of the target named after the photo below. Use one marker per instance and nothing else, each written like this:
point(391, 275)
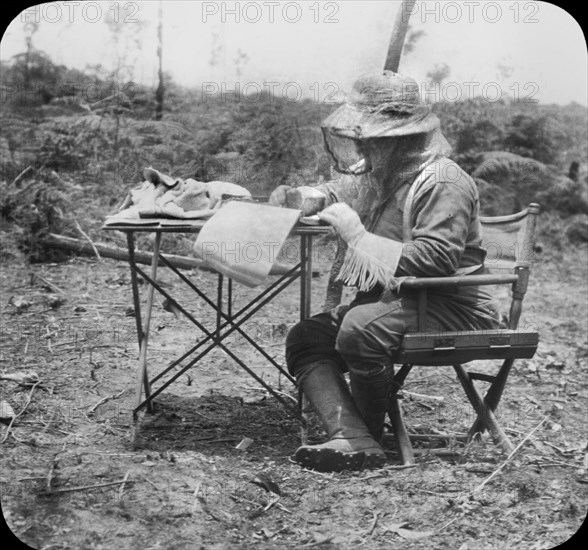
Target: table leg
point(135, 285)
point(230, 299)
point(219, 304)
point(305, 309)
point(305, 276)
point(143, 380)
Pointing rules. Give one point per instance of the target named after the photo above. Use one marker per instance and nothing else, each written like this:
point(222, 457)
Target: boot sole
point(330, 460)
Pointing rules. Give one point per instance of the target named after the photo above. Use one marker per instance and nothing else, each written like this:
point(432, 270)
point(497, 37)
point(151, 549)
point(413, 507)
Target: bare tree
point(241, 60)
point(30, 29)
point(439, 73)
point(159, 93)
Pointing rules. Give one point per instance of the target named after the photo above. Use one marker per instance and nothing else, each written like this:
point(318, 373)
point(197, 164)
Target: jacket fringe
point(364, 271)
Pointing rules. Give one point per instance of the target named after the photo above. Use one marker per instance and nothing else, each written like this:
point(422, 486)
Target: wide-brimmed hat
point(384, 104)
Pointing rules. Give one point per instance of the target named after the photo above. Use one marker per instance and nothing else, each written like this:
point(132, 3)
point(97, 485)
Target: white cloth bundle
point(163, 196)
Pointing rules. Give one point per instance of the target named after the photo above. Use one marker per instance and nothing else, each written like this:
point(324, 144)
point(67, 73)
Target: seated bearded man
point(416, 213)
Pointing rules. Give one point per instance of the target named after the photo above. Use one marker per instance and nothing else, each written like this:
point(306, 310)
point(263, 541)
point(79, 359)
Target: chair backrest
point(510, 244)
point(509, 241)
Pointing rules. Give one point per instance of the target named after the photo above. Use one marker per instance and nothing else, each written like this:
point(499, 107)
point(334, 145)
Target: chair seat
point(449, 348)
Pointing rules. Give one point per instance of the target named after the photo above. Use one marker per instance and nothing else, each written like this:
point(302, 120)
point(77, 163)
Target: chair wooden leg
point(302, 406)
point(493, 395)
point(396, 420)
point(400, 433)
point(484, 412)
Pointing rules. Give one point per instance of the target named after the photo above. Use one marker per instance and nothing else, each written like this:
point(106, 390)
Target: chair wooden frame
point(456, 348)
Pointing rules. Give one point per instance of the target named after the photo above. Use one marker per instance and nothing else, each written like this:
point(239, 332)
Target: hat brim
point(356, 122)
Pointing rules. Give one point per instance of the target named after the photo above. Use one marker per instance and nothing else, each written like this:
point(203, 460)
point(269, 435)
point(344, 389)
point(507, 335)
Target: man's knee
point(311, 340)
point(365, 338)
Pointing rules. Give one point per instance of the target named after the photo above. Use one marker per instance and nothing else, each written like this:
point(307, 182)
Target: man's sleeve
point(441, 218)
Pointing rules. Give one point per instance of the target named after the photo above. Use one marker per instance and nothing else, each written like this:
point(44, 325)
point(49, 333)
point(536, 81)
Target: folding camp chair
point(509, 242)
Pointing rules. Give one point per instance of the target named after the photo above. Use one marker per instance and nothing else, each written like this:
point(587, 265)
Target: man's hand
point(345, 220)
point(308, 199)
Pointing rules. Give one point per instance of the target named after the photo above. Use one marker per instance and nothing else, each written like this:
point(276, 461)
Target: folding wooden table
point(227, 320)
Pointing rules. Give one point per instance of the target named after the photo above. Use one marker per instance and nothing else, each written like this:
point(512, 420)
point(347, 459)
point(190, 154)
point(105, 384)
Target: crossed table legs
point(227, 321)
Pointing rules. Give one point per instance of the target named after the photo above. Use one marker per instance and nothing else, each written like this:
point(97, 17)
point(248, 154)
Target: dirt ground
point(188, 486)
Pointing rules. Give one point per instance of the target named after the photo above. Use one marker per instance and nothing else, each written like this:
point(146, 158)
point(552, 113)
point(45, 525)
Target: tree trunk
point(84, 248)
point(160, 87)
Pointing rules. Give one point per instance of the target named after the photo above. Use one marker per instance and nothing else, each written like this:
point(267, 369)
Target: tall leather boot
point(370, 394)
point(350, 445)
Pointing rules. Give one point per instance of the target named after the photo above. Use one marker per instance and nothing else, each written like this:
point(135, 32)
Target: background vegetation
point(72, 143)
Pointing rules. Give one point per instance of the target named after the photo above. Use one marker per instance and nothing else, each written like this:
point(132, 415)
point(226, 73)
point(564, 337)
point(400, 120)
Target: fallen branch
point(52, 240)
point(60, 242)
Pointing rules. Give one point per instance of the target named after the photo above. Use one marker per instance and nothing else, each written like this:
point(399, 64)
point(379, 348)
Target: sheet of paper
point(242, 240)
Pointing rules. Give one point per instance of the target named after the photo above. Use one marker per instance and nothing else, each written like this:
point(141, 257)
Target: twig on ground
point(202, 415)
point(101, 453)
point(51, 470)
point(84, 234)
point(220, 440)
point(21, 174)
point(104, 400)
point(508, 458)
point(287, 395)
point(558, 449)
point(423, 396)
point(151, 483)
point(388, 468)
point(122, 487)
point(29, 398)
point(443, 527)
point(85, 487)
point(549, 463)
point(308, 471)
point(318, 542)
point(272, 502)
point(458, 437)
point(436, 452)
point(49, 284)
point(373, 524)
point(554, 462)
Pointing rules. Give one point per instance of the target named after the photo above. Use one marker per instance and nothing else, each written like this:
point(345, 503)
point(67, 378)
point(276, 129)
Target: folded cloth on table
point(243, 239)
point(163, 196)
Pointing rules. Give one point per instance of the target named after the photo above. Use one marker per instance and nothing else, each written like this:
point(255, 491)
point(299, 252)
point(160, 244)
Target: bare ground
point(187, 486)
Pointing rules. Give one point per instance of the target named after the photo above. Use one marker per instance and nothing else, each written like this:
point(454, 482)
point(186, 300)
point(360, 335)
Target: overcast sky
point(530, 50)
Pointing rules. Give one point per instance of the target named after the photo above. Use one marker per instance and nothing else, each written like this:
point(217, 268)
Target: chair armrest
point(416, 283)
